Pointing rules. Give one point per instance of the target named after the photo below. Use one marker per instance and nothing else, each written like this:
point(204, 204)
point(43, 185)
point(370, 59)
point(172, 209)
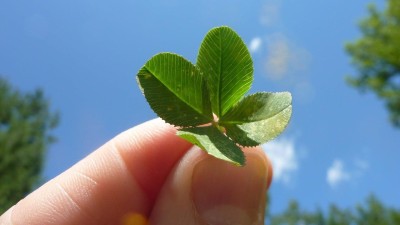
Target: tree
point(371, 212)
point(25, 122)
point(376, 56)
point(292, 215)
point(376, 213)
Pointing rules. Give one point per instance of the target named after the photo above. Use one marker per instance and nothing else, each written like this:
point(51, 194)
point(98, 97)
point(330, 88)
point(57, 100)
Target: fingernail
point(227, 194)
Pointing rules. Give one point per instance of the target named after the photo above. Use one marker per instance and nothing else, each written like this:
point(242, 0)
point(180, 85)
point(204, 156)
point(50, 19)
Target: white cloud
point(255, 44)
point(278, 58)
point(284, 57)
point(336, 174)
point(283, 157)
point(270, 13)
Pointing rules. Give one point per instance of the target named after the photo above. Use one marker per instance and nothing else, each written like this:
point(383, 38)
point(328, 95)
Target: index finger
point(122, 177)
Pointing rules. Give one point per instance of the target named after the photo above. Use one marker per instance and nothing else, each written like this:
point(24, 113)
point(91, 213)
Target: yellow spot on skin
point(134, 219)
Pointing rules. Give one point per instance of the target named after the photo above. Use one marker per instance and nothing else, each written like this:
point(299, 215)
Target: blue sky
point(339, 146)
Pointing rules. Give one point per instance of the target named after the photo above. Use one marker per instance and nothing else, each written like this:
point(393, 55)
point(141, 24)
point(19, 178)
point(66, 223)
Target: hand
point(148, 175)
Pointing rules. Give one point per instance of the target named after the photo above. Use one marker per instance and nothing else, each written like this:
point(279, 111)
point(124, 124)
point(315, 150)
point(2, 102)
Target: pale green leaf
point(226, 63)
point(175, 90)
point(258, 118)
point(214, 143)
point(259, 132)
point(257, 106)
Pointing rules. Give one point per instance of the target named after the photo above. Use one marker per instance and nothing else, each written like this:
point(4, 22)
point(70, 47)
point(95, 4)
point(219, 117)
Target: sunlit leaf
point(258, 106)
point(226, 63)
point(258, 118)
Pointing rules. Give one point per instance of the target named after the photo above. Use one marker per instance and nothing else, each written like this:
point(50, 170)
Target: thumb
point(205, 190)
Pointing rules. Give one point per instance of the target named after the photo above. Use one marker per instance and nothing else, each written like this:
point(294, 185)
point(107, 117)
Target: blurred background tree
point(25, 122)
point(376, 56)
point(372, 212)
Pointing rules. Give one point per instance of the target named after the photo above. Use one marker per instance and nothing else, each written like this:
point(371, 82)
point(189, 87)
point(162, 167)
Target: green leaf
point(258, 118)
point(226, 63)
point(214, 143)
point(175, 90)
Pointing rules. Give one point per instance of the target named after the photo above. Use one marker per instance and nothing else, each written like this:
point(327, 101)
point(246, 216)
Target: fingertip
point(211, 191)
point(270, 173)
point(266, 161)
point(234, 195)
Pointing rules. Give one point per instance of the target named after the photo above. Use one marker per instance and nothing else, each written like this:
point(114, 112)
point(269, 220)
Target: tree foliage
point(376, 56)
point(372, 212)
point(25, 122)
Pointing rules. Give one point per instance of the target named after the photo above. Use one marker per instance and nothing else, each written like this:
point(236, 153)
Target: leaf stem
point(219, 127)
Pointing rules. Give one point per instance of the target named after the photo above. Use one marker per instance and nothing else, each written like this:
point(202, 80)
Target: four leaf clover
point(206, 101)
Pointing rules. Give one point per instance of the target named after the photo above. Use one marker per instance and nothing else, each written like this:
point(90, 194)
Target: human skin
point(148, 175)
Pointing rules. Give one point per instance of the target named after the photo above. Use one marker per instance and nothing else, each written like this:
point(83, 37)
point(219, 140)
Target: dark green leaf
point(175, 90)
point(214, 143)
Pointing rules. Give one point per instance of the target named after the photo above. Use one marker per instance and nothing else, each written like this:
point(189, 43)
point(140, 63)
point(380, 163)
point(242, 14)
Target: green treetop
point(376, 55)
point(25, 122)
